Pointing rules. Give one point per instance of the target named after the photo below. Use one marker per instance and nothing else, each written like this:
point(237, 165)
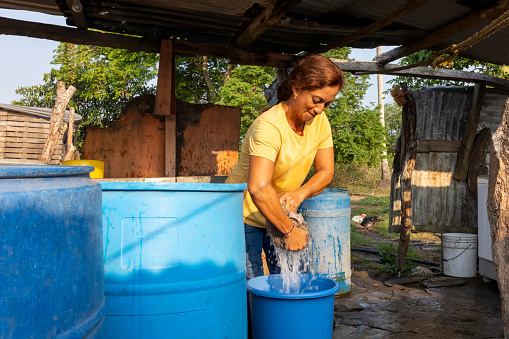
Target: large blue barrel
point(51, 268)
point(328, 218)
point(174, 260)
point(308, 313)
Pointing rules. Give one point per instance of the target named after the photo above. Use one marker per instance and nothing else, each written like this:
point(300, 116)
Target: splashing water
point(293, 264)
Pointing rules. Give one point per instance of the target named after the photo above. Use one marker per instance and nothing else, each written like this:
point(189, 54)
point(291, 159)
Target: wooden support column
point(498, 210)
point(467, 142)
point(166, 105)
point(408, 154)
point(57, 117)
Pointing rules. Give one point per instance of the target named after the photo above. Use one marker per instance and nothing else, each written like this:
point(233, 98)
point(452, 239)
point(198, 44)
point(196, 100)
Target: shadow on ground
point(470, 308)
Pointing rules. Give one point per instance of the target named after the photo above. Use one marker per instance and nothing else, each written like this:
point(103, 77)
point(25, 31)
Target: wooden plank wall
point(440, 202)
point(22, 136)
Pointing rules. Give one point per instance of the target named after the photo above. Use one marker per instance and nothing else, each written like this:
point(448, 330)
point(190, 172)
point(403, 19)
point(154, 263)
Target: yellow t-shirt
point(270, 136)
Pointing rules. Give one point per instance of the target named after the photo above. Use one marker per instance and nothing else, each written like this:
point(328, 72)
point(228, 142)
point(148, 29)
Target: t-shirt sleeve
point(265, 141)
point(325, 134)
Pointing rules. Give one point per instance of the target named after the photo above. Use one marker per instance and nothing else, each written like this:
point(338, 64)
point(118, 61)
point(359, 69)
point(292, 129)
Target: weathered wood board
point(441, 203)
point(22, 136)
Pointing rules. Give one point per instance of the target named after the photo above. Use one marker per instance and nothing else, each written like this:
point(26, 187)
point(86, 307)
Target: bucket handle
point(460, 253)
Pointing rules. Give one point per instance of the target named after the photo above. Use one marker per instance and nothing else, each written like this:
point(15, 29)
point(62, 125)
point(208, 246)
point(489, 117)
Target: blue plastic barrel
point(51, 268)
point(306, 314)
point(174, 260)
point(328, 218)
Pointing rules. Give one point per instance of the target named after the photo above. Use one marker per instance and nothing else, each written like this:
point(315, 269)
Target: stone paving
point(374, 309)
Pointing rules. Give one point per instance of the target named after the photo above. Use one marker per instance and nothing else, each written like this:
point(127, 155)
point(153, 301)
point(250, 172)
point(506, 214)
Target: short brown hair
point(312, 72)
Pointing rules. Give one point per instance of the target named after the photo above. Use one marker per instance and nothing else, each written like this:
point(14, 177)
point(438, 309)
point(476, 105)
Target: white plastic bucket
point(459, 253)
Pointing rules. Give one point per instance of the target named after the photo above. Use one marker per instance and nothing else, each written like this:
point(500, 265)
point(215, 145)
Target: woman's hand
point(296, 239)
point(292, 200)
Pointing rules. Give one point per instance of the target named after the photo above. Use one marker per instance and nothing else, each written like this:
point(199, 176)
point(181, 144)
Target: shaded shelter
point(275, 33)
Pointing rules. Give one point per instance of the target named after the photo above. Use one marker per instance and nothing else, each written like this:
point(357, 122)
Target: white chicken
point(358, 218)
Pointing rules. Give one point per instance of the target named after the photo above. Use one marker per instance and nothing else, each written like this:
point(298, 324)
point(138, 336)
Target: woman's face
point(308, 104)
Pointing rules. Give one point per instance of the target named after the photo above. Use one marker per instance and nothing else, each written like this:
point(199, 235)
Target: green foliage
point(392, 113)
point(389, 260)
point(190, 80)
point(358, 134)
point(457, 63)
point(358, 178)
point(105, 79)
point(245, 89)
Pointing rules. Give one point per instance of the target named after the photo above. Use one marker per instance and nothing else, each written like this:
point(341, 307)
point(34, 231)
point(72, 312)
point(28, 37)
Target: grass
point(375, 203)
point(394, 250)
point(382, 201)
point(357, 239)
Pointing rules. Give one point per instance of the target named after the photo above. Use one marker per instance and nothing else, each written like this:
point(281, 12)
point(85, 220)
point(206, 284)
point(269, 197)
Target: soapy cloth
point(278, 238)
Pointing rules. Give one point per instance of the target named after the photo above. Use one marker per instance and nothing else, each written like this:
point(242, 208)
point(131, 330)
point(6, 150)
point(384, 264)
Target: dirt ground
point(423, 305)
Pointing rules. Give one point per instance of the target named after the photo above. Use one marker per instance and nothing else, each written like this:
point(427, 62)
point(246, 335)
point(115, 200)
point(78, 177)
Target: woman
point(277, 154)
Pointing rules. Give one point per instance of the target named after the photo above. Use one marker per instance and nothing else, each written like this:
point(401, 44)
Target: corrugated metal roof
point(308, 25)
point(38, 111)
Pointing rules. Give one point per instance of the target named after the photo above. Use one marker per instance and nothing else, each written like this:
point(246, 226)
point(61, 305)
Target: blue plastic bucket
point(328, 218)
point(51, 267)
point(174, 260)
point(306, 314)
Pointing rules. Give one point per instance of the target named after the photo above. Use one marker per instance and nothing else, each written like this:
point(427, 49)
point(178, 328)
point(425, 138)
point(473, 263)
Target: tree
point(357, 132)
point(392, 127)
point(199, 79)
point(245, 88)
point(105, 79)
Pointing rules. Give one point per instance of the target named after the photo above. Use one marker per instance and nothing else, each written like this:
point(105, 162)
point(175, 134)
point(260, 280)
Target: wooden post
point(69, 152)
point(166, 105)
point(467, 142)
point(476, 168)
point(498, 210)
point(57, 117)
point(408, 154)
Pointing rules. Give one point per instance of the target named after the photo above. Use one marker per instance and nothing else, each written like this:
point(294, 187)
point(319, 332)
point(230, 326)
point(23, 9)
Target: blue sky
point(23, 61)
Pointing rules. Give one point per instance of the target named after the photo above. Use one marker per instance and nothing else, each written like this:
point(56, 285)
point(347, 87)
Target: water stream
point(293, 264)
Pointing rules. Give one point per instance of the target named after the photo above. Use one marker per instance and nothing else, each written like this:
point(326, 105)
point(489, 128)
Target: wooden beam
point(366, 67)
point(233, 54)
point(474, 113)
point(134, 44)
point(400, 12)
point(78, 17)
point(447, 146)
point(470, 20)
point(268, 17)
point(46, 8)
point(75, 36)
point(165, 94)
point(165, 89)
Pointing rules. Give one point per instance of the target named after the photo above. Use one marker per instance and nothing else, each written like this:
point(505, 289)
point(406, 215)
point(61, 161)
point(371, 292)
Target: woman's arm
point(324, 171)
point(266, 199)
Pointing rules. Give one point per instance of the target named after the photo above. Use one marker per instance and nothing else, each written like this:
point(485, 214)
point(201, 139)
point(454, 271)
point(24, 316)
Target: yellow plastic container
point(98, 171)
